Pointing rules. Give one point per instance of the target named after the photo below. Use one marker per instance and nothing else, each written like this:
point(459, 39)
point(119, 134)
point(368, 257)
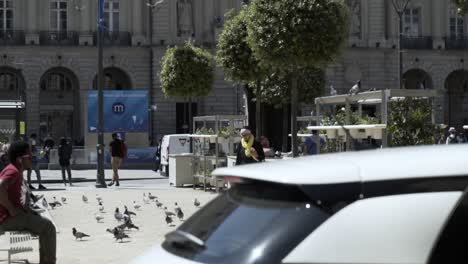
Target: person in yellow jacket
point(249, 150)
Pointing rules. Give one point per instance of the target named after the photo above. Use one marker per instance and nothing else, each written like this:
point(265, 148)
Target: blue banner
point(101, 14)
point(124, 111)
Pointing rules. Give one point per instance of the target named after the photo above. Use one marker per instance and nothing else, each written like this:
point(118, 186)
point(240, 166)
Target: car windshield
point(257, 222)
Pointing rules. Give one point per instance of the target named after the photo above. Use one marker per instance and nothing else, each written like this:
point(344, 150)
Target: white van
point(173, 144)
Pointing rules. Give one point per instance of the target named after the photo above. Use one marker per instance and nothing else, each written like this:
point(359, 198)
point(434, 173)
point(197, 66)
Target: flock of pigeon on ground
point(125, 219)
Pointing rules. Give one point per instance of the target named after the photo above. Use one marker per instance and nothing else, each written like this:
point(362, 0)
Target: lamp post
point(151, 7)
point(400, 7)
point(100, 179)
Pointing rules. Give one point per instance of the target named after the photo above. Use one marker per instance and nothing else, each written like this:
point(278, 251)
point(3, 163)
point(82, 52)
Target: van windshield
point(251, 223)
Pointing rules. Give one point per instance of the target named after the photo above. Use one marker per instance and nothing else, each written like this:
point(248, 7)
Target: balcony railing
point(115, 38)
point(456, 43)
point(12, 37)
point(58, 38)
point(416, 42)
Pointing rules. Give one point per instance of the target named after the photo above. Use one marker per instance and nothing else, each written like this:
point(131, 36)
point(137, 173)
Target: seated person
point(266, 147)
point(249, 150)
point(15, 211)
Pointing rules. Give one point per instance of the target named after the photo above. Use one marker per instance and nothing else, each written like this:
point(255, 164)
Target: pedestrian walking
point(249, 150)
point(118, 151)
point(310, 144)
point(35, 164)
point(64, 153)
point(452, 138)
point(15, 211)
point(158, 156)
point(48, 145)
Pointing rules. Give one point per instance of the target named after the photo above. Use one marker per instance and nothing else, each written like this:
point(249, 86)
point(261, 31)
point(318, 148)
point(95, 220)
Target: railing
point(416, 42)
point(12, 37)
point(58, 38)
point(456, 43)
point(115, 38)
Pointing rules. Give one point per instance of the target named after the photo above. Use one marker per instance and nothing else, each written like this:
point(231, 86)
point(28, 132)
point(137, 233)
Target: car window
point(452, 245)
point(250, 223)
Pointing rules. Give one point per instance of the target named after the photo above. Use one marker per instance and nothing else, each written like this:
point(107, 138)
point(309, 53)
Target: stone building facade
point(48, 56)
point(434, 43)
point(48, 59)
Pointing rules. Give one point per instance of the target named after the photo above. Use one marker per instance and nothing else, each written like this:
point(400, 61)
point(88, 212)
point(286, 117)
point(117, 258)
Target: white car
point(402, 205)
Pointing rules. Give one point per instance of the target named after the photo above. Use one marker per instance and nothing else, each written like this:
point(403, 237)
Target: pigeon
point(85, 199)
point(136, 206)
point(176, 208)
point(118, 215)
point(101, 207)
point(56, 201)
point(159, 204)
point(355, 89)
point(129, 225)
point(168, 213)
point(196, 203)
point(333, 91)
point(98, 198)
point(99, 218)
point(146, 200)
point(152, 197)
point(64, 200)
point(168, 219)
point(79, 235)
point(180, 214)
point(119, 234)
point(127, 212)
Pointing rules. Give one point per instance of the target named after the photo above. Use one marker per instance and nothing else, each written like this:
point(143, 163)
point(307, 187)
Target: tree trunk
point(258, 117)
point(285, 128)
point(190, 124)
point(294, 99)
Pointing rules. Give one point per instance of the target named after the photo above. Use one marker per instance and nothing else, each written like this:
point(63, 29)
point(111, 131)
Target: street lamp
point(400, 7)
point(151, 6)
point(100, 178)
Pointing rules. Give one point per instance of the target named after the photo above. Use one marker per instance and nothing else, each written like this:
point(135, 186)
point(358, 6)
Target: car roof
point(364, 166)
point(390, 229)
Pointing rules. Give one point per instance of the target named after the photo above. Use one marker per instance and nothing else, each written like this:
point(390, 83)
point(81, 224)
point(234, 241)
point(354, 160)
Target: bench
point(9, 241)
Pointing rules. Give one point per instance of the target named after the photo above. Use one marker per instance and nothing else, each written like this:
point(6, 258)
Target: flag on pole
point(101, 14)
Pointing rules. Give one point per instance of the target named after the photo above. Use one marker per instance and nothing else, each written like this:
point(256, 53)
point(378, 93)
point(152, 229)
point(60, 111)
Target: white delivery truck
point(173, 144)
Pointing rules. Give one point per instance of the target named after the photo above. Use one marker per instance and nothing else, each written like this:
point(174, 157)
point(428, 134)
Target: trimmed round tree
point(235, 56)
point(188, 72)
point(291, 35)
point(462, 5)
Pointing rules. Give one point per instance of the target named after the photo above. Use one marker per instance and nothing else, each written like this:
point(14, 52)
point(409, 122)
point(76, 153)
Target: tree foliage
point(299, 33)
point(462, 6)
point(411, 122)
point(276, 88)
point(187, 71)
point(234, 54)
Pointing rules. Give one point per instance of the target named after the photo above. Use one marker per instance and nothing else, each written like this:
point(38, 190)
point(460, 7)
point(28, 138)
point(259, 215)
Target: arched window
point(8, 82)
point(56, 82)
point(114, 79)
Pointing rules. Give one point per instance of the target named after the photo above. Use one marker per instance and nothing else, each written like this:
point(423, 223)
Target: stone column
point(438, 41)
point(137, 22)
point(86, 34)
point(32, 36)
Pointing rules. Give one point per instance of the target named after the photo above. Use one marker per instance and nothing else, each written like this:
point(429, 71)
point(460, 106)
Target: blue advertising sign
point(124, 111)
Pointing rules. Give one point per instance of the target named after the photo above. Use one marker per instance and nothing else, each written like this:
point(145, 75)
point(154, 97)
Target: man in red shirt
point(15, 211)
